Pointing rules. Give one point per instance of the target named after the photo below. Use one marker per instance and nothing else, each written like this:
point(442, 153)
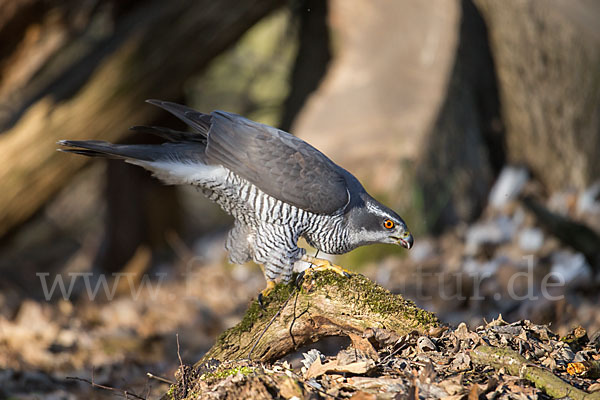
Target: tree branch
point(517, 365)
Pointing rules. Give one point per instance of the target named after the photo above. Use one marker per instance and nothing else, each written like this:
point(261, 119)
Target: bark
point(82, 73)
point(325, 305)
point(516, 365)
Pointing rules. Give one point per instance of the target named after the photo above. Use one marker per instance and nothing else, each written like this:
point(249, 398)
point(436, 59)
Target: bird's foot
point(319, 264)
point(265, 292)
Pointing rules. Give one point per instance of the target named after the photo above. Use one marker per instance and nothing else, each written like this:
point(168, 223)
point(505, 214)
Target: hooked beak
point(406, 240)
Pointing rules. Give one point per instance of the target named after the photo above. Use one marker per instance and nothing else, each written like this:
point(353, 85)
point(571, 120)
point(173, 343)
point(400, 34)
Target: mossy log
point(517, 365)
point(325, 304)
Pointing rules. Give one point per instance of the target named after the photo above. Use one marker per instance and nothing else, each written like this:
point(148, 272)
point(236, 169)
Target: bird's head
point(372, 222)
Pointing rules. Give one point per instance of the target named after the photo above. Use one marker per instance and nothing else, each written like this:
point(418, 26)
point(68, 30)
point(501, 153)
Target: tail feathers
point(173, 163)
point(184, 152)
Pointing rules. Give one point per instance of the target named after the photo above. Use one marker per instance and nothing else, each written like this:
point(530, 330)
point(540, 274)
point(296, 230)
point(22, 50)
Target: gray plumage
point(277, 187)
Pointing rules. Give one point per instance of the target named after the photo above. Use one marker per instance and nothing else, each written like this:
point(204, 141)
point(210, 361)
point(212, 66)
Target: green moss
point(171, 392)
point(224, 373)
point(271, 304)
point(359, 290)
point(366, 293)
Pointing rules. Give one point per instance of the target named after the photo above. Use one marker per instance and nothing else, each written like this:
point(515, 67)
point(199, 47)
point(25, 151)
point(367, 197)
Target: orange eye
point(388, 224)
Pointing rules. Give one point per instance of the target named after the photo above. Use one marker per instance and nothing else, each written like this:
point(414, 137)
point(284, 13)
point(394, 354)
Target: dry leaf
point(589, 369)
point(437, 331)
point(549, 363)
point(474, 392)
point(498, 321)
point(360, 395)
point(318, 369)
point(364, 346)
point(594, 387)
point(451, 387)
point(425, 344)
point(461, 362)
point(385, 384)
point(289, 388)
point(383, 337)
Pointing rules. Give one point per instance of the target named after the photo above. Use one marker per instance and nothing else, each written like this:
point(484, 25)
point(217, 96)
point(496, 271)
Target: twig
point(401, 347)
point(295, 317)
point(517, 365)
point(123, 393)
point(159, 378)
point(270, 323)
point(296, 302)
point(181, 366)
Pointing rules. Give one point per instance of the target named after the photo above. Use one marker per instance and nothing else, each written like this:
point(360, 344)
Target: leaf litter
point(432, 366)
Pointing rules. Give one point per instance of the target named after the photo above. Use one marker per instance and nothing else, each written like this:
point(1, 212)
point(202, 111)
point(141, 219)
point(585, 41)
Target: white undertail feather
point(182, 172)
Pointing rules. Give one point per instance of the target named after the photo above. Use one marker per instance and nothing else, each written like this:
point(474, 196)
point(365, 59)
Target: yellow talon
point(265, 292)
point(319, 264)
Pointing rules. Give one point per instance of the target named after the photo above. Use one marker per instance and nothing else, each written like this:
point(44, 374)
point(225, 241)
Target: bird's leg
point(265, 292)
point(319, 264)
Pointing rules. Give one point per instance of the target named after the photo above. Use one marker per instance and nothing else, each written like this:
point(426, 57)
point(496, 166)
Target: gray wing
point(200, 122)
point(280, 164)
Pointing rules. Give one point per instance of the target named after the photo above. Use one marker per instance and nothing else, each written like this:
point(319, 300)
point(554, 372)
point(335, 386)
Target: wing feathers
point(195, 119)
point(280, 164)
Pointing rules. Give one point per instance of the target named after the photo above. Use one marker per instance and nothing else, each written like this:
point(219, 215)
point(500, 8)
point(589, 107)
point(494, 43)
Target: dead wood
point(517, 365)
point(326, 304)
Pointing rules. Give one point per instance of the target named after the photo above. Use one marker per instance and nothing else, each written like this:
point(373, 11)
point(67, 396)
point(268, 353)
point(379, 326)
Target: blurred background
point(477, 120)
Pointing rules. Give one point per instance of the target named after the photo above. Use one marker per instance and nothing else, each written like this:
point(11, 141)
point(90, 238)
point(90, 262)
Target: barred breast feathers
point(251, 205)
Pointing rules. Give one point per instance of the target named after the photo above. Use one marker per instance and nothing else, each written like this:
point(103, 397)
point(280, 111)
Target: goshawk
point(277, 187)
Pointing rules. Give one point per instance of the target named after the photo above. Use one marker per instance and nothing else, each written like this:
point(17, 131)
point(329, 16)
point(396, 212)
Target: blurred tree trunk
point(383, 89)
point(140, 210)
point(313, 56)
point(81, 70)
point(547, 56)
point(465, 147)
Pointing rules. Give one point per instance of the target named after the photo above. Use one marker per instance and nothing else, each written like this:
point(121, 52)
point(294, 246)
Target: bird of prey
point(277, 187)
